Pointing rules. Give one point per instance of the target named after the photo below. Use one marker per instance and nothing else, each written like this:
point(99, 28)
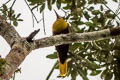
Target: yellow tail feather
point(63, 69)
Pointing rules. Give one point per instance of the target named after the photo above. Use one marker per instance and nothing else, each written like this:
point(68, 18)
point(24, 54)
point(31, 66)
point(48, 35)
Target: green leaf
point(15, 23)
point(74, 46)
point(13, 17)
point(11, 11)
point(90, 1)
point(67, 7)
point(89, 24)
point(35, 1)
point(18, 15)
point(69, 68)
point(96, 12)
point(91, 65)
point(101, 8)
point(19, 19)
point(83, 73)
point(49, 3)
point(52, 56)
point(53, 1)
point(111, 16)
point(81, 23)
point(87, 16)
point(95, 72)
point(42, 7)
point(5, 7)
point(73, 74)
point(115, 0)
point(91, 8)
point(57, 66)
point(58, 3)
point(104, 73)
point(2, 62)
point(109, 75)
point(110, 58)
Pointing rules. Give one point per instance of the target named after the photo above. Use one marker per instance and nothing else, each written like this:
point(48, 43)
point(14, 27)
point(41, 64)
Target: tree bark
point(8, 32)
point(20, 47)
point(15, 57)
point(70, 38)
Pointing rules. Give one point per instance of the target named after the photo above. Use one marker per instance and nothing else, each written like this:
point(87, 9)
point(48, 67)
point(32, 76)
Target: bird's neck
point(60, 25)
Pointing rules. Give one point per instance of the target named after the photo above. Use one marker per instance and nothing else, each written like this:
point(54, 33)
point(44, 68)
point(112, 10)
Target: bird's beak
point(57, 14)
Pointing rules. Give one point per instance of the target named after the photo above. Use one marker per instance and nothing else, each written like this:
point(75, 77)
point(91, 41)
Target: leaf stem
point(51, 70)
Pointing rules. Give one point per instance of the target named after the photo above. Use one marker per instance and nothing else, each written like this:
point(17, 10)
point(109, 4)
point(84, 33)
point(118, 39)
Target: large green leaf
point(95, 72)
point(108, 75)
point(52, 56)
point(58, 3)
point(115, 0)
point(49, 4)
point(36, 1)
point(42, 7)
point(73, 74)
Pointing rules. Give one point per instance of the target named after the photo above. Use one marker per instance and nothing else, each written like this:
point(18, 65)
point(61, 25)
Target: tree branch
point(32, 35)
point(15, 57)
point(75, 37)
point(8, 32)
point(21, 47)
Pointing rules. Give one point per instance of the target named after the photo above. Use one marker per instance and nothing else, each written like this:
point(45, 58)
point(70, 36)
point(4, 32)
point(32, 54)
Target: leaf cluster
point(10, 15)
point(97, 57)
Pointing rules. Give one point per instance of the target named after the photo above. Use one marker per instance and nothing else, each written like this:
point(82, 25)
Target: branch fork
point(21, 47)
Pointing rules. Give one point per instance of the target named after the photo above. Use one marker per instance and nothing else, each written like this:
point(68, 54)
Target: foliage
point(98, 57)
point(9, 14)
point(2, 65)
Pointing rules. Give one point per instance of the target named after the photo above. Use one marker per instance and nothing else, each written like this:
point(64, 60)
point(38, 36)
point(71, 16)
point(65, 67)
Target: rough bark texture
point(8, 32)
point(15, 57)
point(20, 47)
point(71, 37)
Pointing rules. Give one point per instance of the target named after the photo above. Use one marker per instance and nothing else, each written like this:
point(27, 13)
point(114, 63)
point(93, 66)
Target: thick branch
point(21, 48)
point(76, 37)
point(8, 32)
point(15, 57)
point(71, 37)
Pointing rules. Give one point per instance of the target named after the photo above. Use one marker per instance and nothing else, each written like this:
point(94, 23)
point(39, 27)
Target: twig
point(32, 12)
point(33, 20)
point(43, 22)
point(51, 70)
point(95, 44)
point(14, 75)
point(32, 35)
point(110, 10)
point(13, 3)
point(117, 11)
point(11, 9)
point(40, 20)
point(64, 11)
point(6, 2)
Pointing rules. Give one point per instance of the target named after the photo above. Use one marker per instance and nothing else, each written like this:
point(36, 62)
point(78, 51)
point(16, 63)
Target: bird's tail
point(63, 69)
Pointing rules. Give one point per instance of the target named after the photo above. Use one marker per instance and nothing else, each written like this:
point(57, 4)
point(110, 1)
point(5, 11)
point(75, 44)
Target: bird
point(60, 26)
